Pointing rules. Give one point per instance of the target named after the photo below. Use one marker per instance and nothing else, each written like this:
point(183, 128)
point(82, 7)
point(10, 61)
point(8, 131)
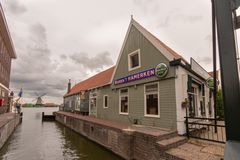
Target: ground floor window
point(151, 100)
point(78, 102)
point(93, 103)
point(123, 101)
point(105, 101)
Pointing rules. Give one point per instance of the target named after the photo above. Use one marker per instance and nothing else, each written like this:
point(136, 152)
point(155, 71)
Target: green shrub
point(220, 109)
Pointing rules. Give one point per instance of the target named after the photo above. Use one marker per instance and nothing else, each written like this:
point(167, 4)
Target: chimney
point(69, 86)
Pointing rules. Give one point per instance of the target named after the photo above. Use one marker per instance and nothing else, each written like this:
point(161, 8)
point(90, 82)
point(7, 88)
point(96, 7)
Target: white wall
point(181, 94)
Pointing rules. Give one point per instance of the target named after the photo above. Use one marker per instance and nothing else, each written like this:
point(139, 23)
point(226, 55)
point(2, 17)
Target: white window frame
point(91, 95)
point(120, 96)
point(129, 60)
point(104, 101)
point(145, 100)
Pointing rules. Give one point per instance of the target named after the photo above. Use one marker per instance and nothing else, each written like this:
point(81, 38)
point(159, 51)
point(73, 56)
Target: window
point(134, 60)
point(105, 101)
point(123, 101)
point(151, 100)
point(3, 93)
point(193, 110)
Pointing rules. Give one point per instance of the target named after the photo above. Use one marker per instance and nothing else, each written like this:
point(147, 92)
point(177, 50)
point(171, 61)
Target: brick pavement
point(5, 118)
point(198, 150)
point(153, 131)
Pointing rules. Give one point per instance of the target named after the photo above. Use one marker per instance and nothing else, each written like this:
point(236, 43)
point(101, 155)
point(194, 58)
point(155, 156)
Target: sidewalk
point(198, 150)
point(5, 118)
point(153, 131)
point(8, 123)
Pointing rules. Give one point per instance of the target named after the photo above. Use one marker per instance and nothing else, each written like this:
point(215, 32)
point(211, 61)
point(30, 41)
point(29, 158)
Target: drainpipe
point(214, 65)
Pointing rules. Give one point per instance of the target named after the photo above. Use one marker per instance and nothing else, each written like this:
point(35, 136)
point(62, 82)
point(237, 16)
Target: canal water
point(34, 140)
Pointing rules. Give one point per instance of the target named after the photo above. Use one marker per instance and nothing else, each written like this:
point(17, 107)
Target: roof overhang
point(6, 34)
point(1, 85)
point(187, 66)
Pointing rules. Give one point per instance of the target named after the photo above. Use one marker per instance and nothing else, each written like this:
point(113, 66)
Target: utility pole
point(226, 25)
point(214, 64)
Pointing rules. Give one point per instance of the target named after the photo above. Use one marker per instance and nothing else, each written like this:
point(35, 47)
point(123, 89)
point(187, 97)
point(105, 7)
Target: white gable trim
point(153, 40)
point(147, 35)
point(121, 51)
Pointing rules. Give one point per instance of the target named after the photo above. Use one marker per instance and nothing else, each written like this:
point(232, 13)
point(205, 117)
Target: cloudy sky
point(57, 40)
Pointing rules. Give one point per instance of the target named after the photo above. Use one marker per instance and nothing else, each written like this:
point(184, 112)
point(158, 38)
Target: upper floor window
point(134, 60)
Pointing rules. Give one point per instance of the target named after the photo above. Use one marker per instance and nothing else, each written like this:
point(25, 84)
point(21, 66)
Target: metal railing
point(206, 129)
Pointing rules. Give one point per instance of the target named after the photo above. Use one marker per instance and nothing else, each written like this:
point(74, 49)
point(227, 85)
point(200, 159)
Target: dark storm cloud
point(191, 18)
point(99, 61)
point(165, 22)
point(63, 57)
point(142, 2)
point(34, 70)
point(15, 7)
point(205, 60)
point(39, 33)
point(173, 18)
point(208, 38)
point(44, 49)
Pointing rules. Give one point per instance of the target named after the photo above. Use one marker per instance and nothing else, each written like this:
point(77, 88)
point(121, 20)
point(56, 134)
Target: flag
point(20, 93)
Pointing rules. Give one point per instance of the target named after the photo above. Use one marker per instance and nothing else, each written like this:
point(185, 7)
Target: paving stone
point(190, 147)
point(172, 140)
point(191, 151)
point(214, 149)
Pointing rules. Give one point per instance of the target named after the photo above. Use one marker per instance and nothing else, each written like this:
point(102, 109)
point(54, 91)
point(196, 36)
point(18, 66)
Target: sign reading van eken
point(137, 76)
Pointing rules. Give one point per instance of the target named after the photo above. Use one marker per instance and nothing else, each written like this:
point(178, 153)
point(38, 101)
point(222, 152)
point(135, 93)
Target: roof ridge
point(95, 75)
point(170, 50)
point(93, 81)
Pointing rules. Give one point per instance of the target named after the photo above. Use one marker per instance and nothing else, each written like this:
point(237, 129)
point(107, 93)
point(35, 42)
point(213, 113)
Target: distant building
point(7, 53)
point(50, 105)
point(150, 85)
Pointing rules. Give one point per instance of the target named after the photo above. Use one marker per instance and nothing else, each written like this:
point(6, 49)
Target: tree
point(219, 109)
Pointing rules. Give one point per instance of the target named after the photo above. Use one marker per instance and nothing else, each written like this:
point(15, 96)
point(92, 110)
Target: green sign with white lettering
point(210, 82)
point(161, 70)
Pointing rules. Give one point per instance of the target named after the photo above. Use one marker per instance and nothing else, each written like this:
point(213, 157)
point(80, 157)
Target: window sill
point(131, 69)
point(123, 113)
point(151, 116)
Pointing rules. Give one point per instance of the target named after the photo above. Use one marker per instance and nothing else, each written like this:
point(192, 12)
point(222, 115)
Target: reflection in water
point(34, 140)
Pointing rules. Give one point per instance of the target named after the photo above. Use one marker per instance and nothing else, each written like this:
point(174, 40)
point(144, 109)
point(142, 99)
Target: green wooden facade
point(172, 88)
point(150, 58)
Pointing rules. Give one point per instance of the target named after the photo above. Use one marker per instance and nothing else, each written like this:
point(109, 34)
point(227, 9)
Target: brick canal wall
point(116, 140)
point(126, 143)
point(8, 123)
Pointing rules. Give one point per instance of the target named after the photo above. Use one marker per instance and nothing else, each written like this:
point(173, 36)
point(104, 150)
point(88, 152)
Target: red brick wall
point(5, 64)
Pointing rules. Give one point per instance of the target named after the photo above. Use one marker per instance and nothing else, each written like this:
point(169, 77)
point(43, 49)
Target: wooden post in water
point(42, 116)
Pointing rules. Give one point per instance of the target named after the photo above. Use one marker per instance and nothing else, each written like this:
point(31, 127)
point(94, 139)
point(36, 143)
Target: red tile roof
point(101, 79)
point(211, 73)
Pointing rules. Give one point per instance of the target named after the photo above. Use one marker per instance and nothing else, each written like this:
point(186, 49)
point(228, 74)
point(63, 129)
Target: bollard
point(21, 117)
